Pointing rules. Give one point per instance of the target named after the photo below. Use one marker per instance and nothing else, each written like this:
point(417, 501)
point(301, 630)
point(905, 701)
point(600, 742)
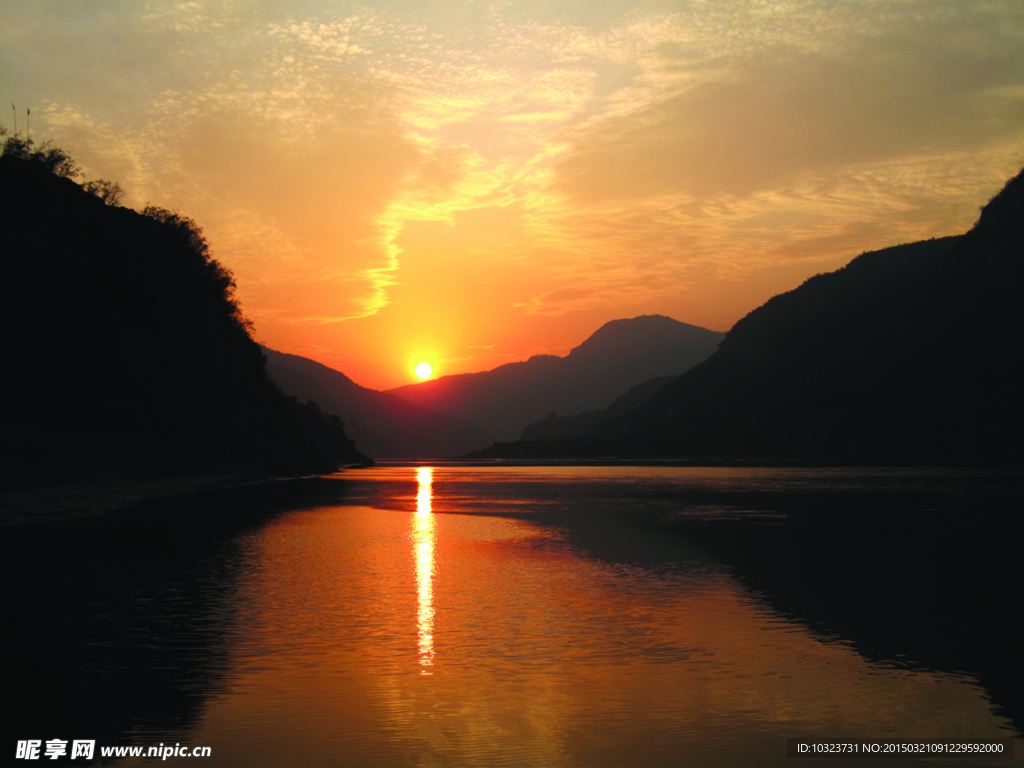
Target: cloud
point(286, 161)
point(809, 114)
point(577, 157)
point(707, 141)
point(734, 152)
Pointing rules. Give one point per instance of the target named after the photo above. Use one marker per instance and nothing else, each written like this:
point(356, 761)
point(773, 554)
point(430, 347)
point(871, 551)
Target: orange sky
point(468, 183)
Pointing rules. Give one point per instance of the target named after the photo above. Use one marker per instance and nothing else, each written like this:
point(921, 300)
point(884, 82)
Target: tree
point(108, 191)
point(54, 159)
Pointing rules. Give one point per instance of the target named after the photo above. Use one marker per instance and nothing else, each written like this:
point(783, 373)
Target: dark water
point(541, 616)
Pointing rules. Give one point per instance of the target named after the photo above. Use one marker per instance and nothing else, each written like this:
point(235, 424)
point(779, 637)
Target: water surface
point(542, 616)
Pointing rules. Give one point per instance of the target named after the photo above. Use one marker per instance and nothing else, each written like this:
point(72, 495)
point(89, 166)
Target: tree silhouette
point(51, 158)
point(109, 192)
point(58, 162)
point(129, 348)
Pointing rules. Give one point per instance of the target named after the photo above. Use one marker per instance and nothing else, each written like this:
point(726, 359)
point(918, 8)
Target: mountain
point(619, 355)
point(593, 422)
point(909, 355)
point(382, 425)
point(125, 351)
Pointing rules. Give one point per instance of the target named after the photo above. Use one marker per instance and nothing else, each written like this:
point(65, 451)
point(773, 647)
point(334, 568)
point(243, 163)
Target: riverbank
point(28, 505)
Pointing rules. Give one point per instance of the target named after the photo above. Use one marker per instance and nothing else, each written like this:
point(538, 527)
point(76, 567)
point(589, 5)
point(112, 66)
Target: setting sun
point(662, 251)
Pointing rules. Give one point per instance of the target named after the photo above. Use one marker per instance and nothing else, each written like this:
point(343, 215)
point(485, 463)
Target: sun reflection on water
point(423, 550)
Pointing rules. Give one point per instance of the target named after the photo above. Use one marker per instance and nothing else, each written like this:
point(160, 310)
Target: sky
point(468, 183)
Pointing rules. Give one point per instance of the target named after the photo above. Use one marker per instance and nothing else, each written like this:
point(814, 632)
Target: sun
point(423, 370)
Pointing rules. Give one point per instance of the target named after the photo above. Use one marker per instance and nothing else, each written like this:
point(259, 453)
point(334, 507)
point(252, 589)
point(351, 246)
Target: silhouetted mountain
point(620, 354)
point(592, 422)
point(910, 355)
point(126, 351)
point(383, 425)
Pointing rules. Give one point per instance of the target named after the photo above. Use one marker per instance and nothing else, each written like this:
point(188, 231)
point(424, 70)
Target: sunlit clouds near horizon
point(475, 182)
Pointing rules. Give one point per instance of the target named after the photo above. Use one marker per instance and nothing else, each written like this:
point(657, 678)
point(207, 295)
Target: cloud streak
point(643, 156)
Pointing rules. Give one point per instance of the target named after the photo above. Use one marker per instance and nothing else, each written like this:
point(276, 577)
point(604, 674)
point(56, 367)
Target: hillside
point(127, 353)
point(381, 424)
point(909, 355)
point(619, 355)
point(592, 423)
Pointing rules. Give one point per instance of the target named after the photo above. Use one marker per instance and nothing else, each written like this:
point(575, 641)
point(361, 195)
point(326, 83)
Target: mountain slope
point(910, 355)
point(844, 361)
point(593, 422)
point(127, 352)
point(620, 354)
point(383, 425)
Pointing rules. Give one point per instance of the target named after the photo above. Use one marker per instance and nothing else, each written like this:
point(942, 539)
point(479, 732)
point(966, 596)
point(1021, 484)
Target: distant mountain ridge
point(909, 355)
point(593, 422)
point(384, 426)
point(619, 355)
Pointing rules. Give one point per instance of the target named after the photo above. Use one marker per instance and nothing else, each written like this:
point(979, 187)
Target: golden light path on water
point(423, 551)
point(585, 637)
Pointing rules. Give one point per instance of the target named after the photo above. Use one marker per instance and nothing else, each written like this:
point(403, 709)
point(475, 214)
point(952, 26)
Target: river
point(451, 615)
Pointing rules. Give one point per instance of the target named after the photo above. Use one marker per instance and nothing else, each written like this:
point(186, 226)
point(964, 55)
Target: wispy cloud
point(582, 160)
point(719, 140)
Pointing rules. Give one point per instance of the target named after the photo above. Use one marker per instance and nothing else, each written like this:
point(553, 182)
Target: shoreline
point(32, 505)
